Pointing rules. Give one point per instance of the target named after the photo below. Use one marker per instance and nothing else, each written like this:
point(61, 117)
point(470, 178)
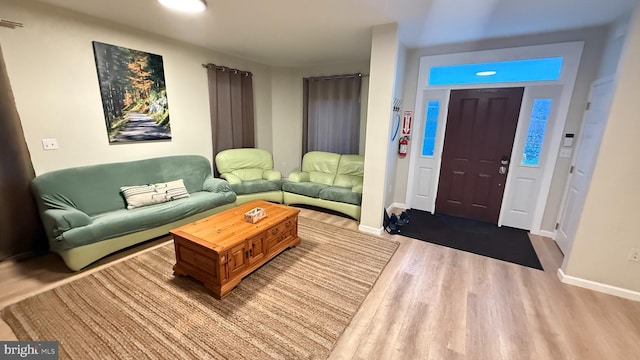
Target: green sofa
point(327, 180)
point(250, 173)
point(85, 215)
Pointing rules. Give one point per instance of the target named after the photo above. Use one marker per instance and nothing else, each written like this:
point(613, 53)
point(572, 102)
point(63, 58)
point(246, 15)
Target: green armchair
point(250, 173)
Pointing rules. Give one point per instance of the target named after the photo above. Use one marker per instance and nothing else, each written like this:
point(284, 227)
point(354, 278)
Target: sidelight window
point(535, 135)
point(430, 127)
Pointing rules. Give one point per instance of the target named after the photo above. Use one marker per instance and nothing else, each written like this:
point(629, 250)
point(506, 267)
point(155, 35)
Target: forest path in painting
point(141, 127)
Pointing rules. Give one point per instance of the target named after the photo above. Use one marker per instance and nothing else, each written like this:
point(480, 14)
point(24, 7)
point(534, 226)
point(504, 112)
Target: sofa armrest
point(299, 176)
point(57, 221)
point(357, 188)
point(272, 175)
point(231, 178)
point(216, 185)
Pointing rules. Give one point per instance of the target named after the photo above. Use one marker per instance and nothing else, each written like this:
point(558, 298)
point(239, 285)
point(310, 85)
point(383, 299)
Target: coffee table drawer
point(283, 227)
point(274, 242)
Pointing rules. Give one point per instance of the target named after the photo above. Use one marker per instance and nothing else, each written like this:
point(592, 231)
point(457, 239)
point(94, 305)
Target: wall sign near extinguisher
point(403, 146)
point(406, 122)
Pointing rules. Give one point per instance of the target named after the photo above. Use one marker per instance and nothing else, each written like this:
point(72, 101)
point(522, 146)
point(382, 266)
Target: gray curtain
point(331, 114)
point(22, 232)
point(231, 106)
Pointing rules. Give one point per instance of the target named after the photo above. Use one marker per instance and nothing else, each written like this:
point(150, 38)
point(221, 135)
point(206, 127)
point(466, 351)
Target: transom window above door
point(543, 69)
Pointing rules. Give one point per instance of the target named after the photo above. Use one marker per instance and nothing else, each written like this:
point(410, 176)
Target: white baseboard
point(596, 286)
point(545, 233)
point(396, 206)
point(370, 230)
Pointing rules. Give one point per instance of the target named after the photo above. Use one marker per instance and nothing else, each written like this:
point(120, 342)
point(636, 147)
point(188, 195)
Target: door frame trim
point(572, 54)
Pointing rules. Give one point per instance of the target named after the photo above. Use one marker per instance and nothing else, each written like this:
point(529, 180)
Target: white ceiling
point(308, 32)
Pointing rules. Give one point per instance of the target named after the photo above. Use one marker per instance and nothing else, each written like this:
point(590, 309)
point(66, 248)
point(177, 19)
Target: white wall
point(53, 75)
point(616, 34)
point(392, 151)
point(286, 92)
point(383, 67)
point(593, 46)
point(53, 54)
point(608, 226)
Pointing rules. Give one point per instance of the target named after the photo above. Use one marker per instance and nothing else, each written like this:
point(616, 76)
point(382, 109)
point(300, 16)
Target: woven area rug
point(294, 307)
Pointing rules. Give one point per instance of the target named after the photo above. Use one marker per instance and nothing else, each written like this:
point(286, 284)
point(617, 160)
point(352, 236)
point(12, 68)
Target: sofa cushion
point(247, 163)
point(272, 175)
point(57, 221)
point(231, 178)
point(216, 185)
point(123, 221)
point(299, 176)
point(321, 166)
point(256, 186)
point(341, 194)
point(304, 188)
point(322, 177)
point(248, 173)
point(350, 171)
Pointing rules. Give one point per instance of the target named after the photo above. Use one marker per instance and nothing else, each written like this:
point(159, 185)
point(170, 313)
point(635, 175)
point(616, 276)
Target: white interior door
point(584, 160)
point(427, 142)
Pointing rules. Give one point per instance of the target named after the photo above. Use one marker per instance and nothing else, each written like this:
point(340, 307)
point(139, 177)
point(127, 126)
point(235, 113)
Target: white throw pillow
point(144, 195)
point(174, 190)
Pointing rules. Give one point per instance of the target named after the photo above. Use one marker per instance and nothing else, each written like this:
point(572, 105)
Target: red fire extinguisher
point(403, 146)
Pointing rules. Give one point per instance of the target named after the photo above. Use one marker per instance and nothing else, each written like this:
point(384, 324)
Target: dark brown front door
point(480, 129)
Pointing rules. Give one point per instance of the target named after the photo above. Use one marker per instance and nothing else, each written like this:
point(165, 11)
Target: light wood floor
point(433, 302)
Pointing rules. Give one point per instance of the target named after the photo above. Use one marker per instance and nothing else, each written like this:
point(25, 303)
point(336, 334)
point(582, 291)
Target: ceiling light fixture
point(485, 73)
point(188, 6)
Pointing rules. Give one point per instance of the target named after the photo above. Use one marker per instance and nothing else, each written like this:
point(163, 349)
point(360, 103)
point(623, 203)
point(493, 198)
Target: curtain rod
point(224, 68)
point(10, 24)
point(329, 77)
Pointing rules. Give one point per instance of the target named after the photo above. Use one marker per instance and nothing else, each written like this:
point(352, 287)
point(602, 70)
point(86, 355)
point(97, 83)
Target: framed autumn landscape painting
point(134, 94)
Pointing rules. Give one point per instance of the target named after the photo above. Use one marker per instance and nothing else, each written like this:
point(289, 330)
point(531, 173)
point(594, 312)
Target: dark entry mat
point(502, 243)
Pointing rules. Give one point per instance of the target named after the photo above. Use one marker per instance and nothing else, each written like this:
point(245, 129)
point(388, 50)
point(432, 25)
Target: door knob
point(504, 161)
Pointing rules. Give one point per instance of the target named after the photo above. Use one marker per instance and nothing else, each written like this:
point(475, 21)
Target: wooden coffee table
point(222, 249)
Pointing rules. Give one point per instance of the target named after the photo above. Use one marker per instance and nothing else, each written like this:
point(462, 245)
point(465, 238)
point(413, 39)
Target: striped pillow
point(144, 195)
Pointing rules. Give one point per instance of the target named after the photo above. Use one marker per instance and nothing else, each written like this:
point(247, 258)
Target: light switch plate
point(568, 141)
point(49, 144)
point(565, 152)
